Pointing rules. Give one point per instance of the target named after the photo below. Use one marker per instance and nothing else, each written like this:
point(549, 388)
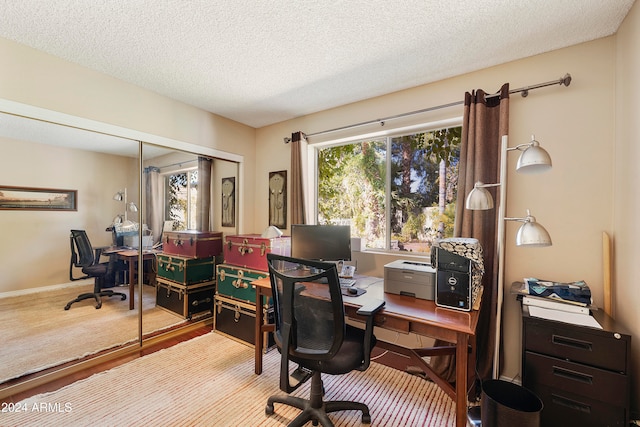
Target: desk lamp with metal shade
point(121, 220)
point(533, 159)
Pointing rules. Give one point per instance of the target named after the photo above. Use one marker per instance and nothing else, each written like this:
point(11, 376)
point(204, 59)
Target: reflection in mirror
point(37, 275)
point(177, 184)
point(37, 278)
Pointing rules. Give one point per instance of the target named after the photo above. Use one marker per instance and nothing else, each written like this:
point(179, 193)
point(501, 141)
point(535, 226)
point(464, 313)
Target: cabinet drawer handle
point(572, 375)
point(570, 403)
point(571, 342)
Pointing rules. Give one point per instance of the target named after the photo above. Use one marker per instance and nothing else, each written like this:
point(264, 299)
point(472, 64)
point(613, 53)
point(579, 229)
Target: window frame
point(388, 135)
point(165, 177)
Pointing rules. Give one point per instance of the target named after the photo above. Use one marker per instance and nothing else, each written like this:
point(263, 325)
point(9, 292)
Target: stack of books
point(566, 302)
point(573, 297)
point(556, 304)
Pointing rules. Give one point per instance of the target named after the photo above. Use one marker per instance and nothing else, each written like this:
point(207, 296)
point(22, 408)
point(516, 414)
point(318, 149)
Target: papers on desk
point(564, 316)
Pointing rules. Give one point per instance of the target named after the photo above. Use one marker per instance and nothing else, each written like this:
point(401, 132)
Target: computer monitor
point(321, 242)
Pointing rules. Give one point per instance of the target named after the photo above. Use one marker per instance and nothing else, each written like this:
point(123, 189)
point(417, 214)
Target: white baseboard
point(28, 291)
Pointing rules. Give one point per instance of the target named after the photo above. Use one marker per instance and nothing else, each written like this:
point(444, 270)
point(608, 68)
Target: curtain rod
point(566, 81)
point(178, 163)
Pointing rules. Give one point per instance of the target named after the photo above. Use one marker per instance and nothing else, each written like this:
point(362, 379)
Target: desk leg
point(258, 330)
point(152, 273)
point(462, 358)
point(132, 285)
point(457, 394)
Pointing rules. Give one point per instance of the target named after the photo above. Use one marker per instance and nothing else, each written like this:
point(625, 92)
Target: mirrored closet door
point(56, 178)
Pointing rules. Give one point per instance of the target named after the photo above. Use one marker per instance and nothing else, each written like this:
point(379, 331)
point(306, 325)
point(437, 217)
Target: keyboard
point(345, 283)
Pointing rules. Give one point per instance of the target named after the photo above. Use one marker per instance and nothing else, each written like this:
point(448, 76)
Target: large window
point(397, 192)
point(181, 194)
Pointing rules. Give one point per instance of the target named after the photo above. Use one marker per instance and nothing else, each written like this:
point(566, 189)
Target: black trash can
point(506, 404)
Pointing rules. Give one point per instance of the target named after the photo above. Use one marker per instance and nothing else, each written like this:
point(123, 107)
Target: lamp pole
point(125, 204)
point(501, 243)
point(533, 159)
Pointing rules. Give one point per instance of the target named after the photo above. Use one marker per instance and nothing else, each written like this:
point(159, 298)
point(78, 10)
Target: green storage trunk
point(186, 271)
point(235, 282)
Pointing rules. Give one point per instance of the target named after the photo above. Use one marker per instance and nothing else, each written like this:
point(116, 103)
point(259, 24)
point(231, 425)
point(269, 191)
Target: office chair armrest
point(370, 308)
point(98, 253)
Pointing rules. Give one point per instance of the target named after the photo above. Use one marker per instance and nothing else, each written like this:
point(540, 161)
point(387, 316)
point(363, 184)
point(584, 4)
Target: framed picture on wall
point(229, 202)
point(38, 199)
point(278, 199)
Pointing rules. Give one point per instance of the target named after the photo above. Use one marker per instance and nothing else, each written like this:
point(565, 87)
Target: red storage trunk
point(192, 243)
point(250, 250)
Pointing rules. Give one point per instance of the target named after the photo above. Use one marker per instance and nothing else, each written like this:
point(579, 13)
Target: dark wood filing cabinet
point(581, 374)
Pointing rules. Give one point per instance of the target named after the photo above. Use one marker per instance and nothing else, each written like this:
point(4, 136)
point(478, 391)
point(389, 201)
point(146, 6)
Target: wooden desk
point(404, 314)
point(131, 258)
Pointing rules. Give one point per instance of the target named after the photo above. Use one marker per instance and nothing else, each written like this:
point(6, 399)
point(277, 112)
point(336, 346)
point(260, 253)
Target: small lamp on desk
point(271, 232)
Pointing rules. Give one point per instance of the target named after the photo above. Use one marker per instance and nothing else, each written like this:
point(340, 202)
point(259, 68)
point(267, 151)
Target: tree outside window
point(181, 196)
point(397, 193)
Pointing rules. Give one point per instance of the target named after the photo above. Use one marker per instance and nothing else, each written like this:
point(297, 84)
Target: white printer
point(412, 278)
point(133, 241)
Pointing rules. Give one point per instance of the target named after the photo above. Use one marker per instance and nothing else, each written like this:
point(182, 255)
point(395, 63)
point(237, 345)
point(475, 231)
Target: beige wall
point(626, 230)
point(545, 113)
point(36, 244)
point(37, 79)
point(574, 201)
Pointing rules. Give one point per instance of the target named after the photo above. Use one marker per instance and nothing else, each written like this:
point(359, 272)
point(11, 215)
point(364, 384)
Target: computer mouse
point(352, 290)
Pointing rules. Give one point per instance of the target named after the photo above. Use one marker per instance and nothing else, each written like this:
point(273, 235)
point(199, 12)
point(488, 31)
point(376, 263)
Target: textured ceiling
point(259, 62)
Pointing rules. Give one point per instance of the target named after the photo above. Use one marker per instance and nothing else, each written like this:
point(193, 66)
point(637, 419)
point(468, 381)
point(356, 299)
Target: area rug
point(209, 381)
point(37, 333)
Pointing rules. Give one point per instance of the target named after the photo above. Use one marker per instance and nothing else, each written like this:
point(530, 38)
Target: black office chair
point(310, 330)
point(84, 257)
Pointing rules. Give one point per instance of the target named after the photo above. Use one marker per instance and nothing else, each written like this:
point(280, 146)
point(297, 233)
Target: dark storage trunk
point(237, 320)
point(185, 300)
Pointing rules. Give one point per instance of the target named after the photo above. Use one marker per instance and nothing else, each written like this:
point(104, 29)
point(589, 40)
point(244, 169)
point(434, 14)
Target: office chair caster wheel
point(67, 307)
point(268, 410)
point(123, 297)
point(98, 306)
point(366, 419)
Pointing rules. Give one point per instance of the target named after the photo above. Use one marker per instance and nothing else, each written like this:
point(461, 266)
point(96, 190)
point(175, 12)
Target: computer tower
point(453, 280)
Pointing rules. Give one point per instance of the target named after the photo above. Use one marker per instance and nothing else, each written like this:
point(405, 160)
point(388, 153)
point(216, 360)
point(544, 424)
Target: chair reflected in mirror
point(83, 256)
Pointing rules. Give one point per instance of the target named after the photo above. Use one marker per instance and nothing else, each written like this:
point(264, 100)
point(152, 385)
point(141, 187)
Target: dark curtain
point(203, 202)
point(153, 202)
point(485, 121)
point(298, 213)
